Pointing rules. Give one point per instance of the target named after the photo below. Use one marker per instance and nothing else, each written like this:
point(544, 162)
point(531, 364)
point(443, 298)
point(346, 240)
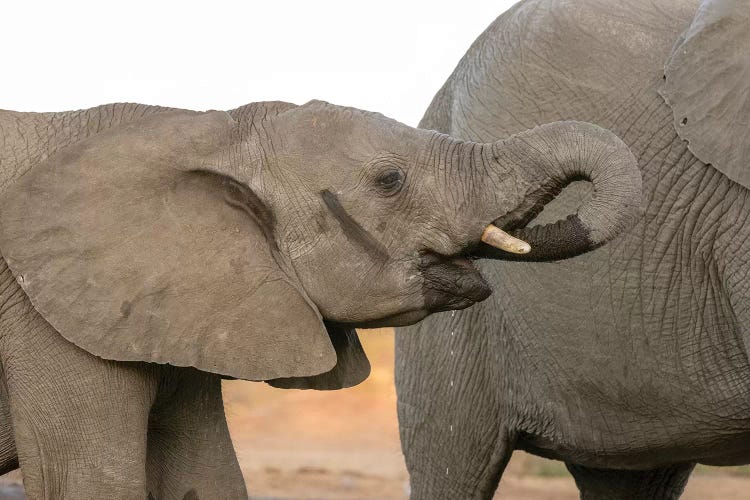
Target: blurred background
point(389, 56)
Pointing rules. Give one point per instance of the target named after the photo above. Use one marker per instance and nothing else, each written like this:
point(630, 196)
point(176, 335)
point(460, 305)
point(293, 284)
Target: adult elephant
point(149, 252)
point(629, 363)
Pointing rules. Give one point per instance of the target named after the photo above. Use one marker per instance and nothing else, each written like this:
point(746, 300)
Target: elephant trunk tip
point(549, 157)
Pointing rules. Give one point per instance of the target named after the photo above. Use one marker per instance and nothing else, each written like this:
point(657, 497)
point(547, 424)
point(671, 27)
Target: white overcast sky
point(386, 55)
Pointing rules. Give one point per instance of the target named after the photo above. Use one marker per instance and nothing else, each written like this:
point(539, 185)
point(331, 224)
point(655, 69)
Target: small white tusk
point(496, 237)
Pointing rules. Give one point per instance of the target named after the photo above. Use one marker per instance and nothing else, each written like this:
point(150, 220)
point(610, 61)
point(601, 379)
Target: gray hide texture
point(629, 363)
point(707, 84)
point(132, 255)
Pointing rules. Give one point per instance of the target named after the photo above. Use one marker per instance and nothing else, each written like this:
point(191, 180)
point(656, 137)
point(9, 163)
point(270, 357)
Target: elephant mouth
point(448, 283)
point(451, 282)
point(405, 318)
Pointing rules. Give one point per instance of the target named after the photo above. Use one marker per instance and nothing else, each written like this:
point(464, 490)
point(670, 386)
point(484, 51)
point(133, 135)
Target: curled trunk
point(548, 158)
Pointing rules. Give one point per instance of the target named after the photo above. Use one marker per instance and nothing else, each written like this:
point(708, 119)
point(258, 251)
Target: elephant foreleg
point(8, 455)
point(190, 452)
point(606, 484)
point(453, 439)
point(79, 421)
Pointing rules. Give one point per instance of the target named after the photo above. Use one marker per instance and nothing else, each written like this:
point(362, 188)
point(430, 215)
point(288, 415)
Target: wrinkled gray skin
point(326, 212)
point(629, 363)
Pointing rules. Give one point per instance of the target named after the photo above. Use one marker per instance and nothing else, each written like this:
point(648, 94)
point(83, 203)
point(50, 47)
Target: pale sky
point(389, 56)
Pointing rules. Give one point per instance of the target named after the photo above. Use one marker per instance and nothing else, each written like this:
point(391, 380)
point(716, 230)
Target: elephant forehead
point(333, 131)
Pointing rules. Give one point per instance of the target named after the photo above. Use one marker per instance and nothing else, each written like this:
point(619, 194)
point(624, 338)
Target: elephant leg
point(606, 484)
point(8, 454)
point(452, 436)
point(79, 421)
point(190, 453)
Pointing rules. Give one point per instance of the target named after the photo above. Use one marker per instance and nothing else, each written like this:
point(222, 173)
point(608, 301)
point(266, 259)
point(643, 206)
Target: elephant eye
point(390, 182)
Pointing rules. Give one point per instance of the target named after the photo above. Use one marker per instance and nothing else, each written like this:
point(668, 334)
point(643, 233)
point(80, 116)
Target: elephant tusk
point(496, 237)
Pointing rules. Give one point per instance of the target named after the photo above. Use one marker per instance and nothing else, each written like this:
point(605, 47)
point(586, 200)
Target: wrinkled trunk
point(513, 179)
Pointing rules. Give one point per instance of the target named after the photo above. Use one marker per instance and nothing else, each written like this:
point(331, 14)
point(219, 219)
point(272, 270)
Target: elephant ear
point(707, 85)
point(138, 245)
point(352, 367)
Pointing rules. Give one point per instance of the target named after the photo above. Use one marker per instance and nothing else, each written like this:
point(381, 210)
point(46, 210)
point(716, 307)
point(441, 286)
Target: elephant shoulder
point(707, 85)
point(546, 60)
point(27, 139)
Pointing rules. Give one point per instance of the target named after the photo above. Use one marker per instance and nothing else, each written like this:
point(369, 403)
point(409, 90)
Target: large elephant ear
point(136, 245)
point(352, 367)
point(707, 84)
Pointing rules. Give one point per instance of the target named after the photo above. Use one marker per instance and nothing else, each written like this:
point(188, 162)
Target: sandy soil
point(344, 445)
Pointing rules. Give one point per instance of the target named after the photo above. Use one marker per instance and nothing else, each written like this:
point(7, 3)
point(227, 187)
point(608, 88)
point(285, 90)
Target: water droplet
point(20, 278)
point(453, 314)
point(451, 427)
point(446, 471)
point(451, 383)
point(407, 489)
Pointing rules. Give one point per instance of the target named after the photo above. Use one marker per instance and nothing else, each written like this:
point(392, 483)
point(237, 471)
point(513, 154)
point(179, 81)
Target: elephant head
point(251, 244)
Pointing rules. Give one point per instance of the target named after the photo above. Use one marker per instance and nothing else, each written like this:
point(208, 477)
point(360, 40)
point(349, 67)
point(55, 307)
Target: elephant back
point(543, 61)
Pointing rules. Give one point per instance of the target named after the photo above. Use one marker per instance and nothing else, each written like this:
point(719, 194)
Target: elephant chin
point(449, 283)
point(399, 319)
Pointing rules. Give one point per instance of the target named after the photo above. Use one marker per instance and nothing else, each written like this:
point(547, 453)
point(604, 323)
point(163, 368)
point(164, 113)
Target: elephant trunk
point(546, 159)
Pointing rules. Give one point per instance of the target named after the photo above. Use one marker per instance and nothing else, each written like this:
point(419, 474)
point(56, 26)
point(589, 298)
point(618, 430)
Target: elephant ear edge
point(707, 85)
point(127, 244)
point(352, 365)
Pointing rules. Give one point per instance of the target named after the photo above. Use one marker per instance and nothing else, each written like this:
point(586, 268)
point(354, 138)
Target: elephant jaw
point(452, 282)
point(448, 283)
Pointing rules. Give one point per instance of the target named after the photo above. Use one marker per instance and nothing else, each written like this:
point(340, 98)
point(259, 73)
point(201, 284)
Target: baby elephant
point(149, 252)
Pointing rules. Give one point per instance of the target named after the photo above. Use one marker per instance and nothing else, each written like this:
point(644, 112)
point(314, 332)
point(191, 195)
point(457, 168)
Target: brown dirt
point(344, 445)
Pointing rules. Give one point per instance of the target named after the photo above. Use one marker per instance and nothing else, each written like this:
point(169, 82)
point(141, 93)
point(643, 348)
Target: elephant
point(628, 363)
point(150, 252)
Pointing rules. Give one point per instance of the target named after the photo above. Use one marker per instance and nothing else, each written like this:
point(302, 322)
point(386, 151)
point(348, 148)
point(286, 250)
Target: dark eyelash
point(390, 182)
point(390, 178)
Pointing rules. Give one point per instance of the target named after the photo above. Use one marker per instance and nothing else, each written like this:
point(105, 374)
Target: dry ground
point(344, 445)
